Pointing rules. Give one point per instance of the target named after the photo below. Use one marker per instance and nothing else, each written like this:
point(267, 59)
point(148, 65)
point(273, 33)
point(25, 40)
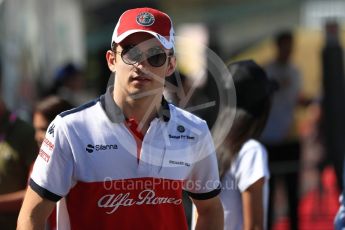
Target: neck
point(143, 109)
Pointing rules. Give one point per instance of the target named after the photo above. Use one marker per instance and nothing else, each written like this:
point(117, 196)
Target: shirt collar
point(116, 115)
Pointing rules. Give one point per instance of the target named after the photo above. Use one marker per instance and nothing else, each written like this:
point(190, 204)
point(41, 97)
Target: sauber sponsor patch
point(48, 144)
point(44, 155)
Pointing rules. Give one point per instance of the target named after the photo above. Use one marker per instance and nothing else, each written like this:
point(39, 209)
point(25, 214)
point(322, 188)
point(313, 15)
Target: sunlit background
point(39, 36)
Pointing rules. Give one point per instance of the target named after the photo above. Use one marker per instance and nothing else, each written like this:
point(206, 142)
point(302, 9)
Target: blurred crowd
point(297, 125)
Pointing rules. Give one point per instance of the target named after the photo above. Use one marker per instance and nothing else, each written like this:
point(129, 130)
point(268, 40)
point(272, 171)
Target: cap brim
point(165, 43)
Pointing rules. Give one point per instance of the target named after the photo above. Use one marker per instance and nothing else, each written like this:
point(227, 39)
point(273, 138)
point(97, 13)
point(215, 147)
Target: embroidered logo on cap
point(145, 19)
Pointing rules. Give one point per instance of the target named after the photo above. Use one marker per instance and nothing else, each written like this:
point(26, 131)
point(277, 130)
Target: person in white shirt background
point(242, 160)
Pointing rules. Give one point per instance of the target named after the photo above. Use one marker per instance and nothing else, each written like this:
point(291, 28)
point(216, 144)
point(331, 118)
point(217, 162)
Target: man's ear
point(111, 60)
point(171, 66)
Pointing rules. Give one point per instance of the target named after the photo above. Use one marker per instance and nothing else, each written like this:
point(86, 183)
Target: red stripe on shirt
point(132, 125)
point(140, 203)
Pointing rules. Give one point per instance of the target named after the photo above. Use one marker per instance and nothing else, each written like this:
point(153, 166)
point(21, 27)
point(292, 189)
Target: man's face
point(140, 78)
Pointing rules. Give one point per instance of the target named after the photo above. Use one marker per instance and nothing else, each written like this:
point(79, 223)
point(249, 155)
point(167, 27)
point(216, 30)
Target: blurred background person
point(69, 84)
point(282, 143)
point(333, 101)
point(48, 42)
point(333, 107)
point(18, 150)
point(45, 112)
point(242, 159)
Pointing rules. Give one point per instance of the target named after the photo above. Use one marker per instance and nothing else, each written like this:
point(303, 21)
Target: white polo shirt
point(90, 158)
point(248, 167)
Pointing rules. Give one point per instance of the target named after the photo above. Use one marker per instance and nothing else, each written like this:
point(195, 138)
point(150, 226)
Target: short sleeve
point(203, 182)
point(251, 165)
point(52, 175)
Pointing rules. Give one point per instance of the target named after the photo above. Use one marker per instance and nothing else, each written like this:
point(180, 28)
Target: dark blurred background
point(39, 37)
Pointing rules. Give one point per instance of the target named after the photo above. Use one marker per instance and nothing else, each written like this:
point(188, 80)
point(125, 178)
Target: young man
point(123, 160)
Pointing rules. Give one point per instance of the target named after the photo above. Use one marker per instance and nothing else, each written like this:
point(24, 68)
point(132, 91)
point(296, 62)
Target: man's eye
point(154, 51)
point(133, 53)
point(127, 48)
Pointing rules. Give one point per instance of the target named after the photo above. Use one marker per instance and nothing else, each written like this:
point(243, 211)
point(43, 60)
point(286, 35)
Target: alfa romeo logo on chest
point(145, 19)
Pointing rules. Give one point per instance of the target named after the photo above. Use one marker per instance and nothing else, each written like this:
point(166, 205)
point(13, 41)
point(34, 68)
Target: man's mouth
point(141, 79)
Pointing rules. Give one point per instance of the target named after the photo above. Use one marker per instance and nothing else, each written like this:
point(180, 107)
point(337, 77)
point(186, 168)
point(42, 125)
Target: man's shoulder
point(78, 116)
point(84, 108)
point(182, 115)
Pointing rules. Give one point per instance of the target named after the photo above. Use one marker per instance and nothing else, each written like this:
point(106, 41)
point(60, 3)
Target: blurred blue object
point(66, 72)
point(339, 221)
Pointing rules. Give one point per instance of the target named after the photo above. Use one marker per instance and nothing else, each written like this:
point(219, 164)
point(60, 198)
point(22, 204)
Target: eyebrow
point(156, 47)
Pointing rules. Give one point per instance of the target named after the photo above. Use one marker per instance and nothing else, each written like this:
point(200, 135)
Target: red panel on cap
point(161, 25)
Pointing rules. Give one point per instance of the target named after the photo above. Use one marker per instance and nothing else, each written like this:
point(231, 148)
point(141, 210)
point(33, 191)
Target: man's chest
point(117, 154)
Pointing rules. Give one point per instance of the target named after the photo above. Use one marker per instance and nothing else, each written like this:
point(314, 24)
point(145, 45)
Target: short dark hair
point(282, 36)
point(253, 88)
point(51, 106)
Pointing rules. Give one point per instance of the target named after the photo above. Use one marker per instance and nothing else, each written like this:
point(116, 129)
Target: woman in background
point(243, 160)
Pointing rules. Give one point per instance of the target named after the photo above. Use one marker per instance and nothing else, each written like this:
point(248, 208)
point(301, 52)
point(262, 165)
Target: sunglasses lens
point(131, 55)
point(156, 57)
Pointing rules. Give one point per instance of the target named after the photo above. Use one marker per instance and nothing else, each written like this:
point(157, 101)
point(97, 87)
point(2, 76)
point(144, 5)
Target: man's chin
point(142, 92)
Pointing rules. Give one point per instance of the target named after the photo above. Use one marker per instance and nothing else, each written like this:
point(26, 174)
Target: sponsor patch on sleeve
point(46, 149)
point(44, 155)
